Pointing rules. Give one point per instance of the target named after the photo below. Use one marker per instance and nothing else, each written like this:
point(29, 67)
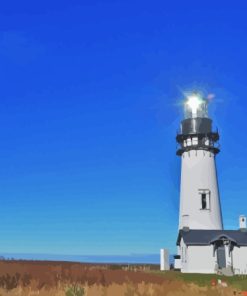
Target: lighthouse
point(200, 206)
point(203, 246)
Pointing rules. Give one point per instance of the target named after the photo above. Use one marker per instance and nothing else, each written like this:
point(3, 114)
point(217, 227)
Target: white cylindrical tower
point(199, 195)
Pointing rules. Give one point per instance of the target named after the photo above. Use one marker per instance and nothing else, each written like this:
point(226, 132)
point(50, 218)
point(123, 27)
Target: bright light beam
point(194, 101)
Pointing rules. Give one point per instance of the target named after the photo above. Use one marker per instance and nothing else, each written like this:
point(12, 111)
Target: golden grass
point(30, 278)
point(174, 288)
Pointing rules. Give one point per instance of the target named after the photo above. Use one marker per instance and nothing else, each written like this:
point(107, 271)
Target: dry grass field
point(46, 278)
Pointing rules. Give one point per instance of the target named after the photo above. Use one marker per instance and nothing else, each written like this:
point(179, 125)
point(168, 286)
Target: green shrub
point(75, 290)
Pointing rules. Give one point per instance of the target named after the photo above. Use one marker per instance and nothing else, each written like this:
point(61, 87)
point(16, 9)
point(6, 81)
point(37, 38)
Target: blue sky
point(88, 117)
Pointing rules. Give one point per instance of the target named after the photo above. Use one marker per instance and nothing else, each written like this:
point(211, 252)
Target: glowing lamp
point(194, 102)
point(195, 106)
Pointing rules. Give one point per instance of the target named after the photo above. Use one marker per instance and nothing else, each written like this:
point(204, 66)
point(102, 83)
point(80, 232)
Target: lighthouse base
point(213, 251)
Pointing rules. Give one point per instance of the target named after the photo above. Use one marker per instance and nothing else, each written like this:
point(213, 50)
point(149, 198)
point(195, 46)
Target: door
point(221, 256)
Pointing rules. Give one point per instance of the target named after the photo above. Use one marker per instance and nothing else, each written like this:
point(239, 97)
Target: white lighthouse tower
point(202, 244)
point(199, 195)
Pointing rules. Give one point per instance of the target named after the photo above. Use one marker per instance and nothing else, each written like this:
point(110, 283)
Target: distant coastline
point(131, 259)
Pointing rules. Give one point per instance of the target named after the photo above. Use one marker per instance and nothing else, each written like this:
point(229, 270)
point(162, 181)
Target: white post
point(164, 259)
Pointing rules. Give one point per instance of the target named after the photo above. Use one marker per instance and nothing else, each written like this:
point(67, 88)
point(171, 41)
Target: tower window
point(194, 141)
point(189, 142)
point(206, 141)
point(204, 199)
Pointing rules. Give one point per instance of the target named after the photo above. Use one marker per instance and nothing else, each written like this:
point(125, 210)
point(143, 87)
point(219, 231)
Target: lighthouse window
point(194, 141)
point(205, 199)
point(188, 142)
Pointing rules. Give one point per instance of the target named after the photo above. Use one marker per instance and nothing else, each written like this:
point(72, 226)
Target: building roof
point(207, 237)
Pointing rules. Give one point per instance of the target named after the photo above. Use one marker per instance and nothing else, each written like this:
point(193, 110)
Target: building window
point(206, 141)
point(189, 142)
point(194, 141)
point(204, 199)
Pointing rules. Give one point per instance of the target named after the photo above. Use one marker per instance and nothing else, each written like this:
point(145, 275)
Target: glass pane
point(204, 201)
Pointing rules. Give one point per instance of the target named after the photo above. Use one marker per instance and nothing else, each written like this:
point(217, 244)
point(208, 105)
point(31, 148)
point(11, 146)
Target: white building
point(213, 251)
point(203, 245)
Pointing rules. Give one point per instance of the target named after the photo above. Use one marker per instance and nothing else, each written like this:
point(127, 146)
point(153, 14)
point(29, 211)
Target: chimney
point(186, 221)
point(242, 223)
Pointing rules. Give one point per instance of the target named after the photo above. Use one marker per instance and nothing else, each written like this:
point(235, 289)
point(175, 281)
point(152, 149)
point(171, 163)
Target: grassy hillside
point(46, 278)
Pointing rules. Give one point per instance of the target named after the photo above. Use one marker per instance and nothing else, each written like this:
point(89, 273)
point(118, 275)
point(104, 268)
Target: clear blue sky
point(88, 117)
